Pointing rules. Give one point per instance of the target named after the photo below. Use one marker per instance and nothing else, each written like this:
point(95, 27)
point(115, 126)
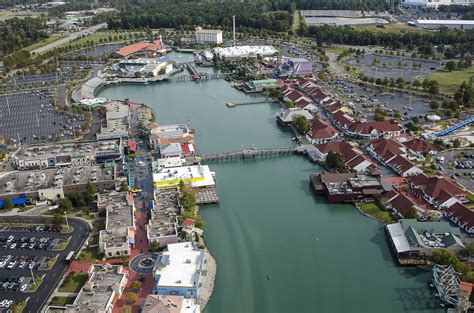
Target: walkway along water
point(279, 248)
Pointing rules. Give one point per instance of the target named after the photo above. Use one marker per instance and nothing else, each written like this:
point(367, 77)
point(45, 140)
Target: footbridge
point(455, 127)
point(202, 76)
point(249, 153)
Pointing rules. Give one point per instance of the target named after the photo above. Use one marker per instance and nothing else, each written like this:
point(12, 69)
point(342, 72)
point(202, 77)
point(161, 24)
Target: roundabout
point(143, 263)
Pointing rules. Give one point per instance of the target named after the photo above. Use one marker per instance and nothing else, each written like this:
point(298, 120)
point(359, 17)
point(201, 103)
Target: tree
point(124, 186)
point(301, 124)
point(58, 219)
point(434, 105)
point(136, 285)
point(412, 213)
point(335, 160)
point(154, 246)
point(379, 117)
point(126, 309)
point(456, 143)
point(289, 104)
point(397, 114)
point(451, 65)
point(65, 205)
point(445, 257)
point(131, 297)
point(7, 204)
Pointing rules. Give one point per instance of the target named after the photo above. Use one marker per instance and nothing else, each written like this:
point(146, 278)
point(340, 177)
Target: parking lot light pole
point(65, 215)
point(32, 276)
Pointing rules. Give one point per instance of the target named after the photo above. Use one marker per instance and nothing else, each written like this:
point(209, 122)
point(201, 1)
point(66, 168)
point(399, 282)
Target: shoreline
point(209, 280)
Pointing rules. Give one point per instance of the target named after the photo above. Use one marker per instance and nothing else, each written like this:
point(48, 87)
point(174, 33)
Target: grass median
point(73, 282)
point(373, 210)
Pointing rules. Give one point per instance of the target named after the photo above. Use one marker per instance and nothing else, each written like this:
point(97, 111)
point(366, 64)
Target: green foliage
point(434, 105)
point(289, 104)
point(65, 205)
point(412, 213)
point(136, 285)
point(17, 33)
point(335, 160)
point(451, 66)
point(58, 219)
point(154, 246)
point(124, 186)
point(445, 257)
point(301, 124)
point(7, 204)
point(131, 297)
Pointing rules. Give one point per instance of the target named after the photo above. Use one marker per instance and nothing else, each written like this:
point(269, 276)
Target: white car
point(23, 287)
point(11, 265)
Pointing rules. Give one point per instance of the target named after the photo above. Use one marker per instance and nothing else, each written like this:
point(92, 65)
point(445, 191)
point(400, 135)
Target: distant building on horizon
point(206, 36)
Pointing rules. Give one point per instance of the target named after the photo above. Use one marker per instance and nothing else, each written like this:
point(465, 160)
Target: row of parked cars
point(10, 262)
point(39, 228)
point(13, 283)
point(12, 242)
point(5, 304)
point(464, 164)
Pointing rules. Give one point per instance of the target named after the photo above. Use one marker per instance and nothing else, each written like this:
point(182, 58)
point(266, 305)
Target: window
point(110, 253)
point(117, 253)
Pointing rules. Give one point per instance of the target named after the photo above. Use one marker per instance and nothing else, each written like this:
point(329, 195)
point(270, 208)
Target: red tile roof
point(320, 129)
point(419, 145)
point(402, 204)
point(462, 213)
point(439, 188)
point(137, 47)
point(380, 127)
point(342, 119)
point(294, 95)
point(386, 149)
point(401, 164)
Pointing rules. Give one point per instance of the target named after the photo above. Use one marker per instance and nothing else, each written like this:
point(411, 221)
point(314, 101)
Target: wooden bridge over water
point(249, 153)
point(188, 78)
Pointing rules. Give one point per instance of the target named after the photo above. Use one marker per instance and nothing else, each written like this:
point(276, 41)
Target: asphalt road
point(57, 43)
point(51, 278)
point(458, 174)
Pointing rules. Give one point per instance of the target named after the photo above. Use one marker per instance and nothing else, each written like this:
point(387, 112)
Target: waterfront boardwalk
point(248, 154)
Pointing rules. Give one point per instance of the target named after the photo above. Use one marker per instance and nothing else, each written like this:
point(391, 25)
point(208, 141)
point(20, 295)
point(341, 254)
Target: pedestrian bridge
point(249, 153)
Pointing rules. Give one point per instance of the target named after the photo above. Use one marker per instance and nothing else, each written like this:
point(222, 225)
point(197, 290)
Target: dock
point(232, 104)
point(248, 153)
point(207, 196)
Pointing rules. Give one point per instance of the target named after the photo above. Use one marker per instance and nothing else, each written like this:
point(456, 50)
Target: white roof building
point(237, 52)
point(197, 175)
point(168, 162)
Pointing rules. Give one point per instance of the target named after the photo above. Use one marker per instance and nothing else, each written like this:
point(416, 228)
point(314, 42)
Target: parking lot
point(462, 166)
point(24, 254)
point(366, 100)
point(30, 117)
point(381, 66)
point(32, 81)
point(99, 51)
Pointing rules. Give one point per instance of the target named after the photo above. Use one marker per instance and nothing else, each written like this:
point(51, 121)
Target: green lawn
point(89, 254)
point(295, 25)
point(390, 28)
point(73, 282)
point(61, 301)
point(373, 210)
point(43, 42)
point(450, 81)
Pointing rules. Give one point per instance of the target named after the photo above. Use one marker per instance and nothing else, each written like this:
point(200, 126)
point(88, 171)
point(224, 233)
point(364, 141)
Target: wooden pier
point(232, 104)
point(187, 78)
point(251, 153)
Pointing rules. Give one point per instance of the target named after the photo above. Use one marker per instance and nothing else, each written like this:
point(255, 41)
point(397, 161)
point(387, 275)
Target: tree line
point(16, 33)
point(329, 34)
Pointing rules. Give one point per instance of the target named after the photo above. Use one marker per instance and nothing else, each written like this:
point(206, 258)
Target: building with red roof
point(398, 203)
point(342, 120)
point(147, 47)
point(391, 153)
point(420, 147)
point(462, 216)
point(437, 191)
point(374, 129)
point(321, 132)
point(353, 157)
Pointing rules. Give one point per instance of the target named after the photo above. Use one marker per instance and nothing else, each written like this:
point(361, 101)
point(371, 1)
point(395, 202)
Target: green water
point(278, 247)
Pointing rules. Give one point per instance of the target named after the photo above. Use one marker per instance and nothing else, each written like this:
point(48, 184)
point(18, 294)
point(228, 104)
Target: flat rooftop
point(174, 130)
point(168, 162)
point(99, 289)
point(246, 50)
point(119, 217)
point(182, 263)
point(75, 149)
point(24, 181)
point(197, 175)
point(164, 215)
